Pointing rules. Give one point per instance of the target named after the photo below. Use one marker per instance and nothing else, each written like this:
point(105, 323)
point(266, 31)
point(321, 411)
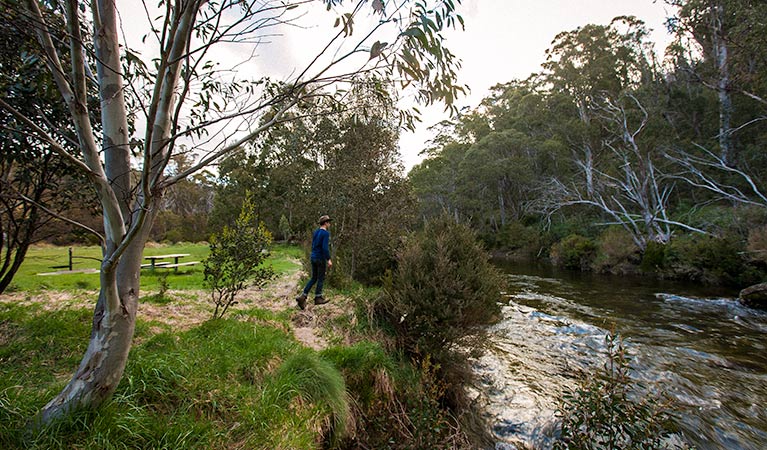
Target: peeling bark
point(104, 361)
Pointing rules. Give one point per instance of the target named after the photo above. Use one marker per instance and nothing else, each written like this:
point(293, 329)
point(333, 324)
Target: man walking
point(320, 260)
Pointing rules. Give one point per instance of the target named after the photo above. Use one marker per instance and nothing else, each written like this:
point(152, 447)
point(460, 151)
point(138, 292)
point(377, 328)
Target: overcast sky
point(503, 40)
point(507, 39)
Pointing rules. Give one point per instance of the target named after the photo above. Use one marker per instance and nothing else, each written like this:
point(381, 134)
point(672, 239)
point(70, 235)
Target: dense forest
point(612, 158)
point(616, 159)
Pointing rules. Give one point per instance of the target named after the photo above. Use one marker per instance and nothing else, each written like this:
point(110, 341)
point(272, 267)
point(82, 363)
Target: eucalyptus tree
point(611, 75)
point(513, 159)
point(589, 64)
point(634, 193)
point(182, 97)
point(725, 42)
point(437, 181)
point(361, 183)
point(726, 52)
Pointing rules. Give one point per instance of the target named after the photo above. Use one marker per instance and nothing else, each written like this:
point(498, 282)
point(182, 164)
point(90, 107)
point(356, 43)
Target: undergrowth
point(225, 383)
point(242, 382)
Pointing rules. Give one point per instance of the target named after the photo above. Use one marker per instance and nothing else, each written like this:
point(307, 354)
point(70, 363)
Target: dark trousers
point(318, 276)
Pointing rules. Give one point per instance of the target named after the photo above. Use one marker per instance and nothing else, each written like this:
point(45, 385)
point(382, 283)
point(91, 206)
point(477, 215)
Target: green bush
point(710, 259)
point(443, 289)
point(654, 257)
point(604, 411)
point(578, 220)
point(616, 252)
point(237, 257)
point(574, 252)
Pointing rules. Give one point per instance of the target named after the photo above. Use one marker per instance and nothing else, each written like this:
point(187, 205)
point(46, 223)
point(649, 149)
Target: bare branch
point(47, 138)
point(694, 175)
point(61, 217)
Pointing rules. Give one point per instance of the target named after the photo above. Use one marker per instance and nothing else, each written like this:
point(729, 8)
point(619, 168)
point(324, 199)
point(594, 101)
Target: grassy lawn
point(47, 259)
point(245, 381)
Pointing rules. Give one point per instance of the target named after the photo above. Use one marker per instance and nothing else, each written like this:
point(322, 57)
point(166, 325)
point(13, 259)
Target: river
point(697, 344)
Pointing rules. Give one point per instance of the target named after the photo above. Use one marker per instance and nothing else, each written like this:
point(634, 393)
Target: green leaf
point(376, 49)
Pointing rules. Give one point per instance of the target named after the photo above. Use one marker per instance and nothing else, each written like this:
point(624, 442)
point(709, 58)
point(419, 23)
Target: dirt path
point(308, 325)
point(280, 295)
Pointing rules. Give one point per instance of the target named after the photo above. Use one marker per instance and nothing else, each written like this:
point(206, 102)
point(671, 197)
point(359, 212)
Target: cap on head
point(324, 219)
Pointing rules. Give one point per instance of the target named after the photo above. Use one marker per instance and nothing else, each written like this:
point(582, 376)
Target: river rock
point(755, 296)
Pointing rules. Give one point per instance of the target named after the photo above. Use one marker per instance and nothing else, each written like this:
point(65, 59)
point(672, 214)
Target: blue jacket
point(321, 245)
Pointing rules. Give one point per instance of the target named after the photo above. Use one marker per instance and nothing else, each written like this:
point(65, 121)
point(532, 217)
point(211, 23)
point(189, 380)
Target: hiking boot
point(320, 300)
point(301, 300)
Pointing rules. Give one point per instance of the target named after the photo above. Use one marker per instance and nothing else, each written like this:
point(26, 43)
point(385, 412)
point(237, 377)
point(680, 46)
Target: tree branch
point(61, 217)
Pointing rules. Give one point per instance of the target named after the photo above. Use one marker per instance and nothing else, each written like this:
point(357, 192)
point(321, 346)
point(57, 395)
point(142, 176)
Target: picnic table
point(157, 261)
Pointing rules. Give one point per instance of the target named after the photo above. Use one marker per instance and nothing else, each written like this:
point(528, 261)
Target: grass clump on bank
point(224, 383)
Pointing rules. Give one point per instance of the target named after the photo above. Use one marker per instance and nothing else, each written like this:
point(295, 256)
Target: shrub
point(616, 252)
point(161, 297)
point(574, 252)
point(604, 413)
point(443, 288)
point(236, 256)
point(709, 259)
point(654, 257)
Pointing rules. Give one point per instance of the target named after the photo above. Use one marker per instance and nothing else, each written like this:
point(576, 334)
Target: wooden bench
point(155, 265)
point(168, 266)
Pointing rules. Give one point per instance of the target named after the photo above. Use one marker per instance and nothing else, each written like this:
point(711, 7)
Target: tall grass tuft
point(307, 377)
point(366, 368)
point(223, 384)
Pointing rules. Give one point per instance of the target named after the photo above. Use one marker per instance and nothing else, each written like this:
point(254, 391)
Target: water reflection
point(702, 347)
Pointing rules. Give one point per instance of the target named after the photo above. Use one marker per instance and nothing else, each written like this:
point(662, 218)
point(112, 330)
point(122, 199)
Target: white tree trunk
point(104, 361)
point(720, 53)
point(114, 317)
point(114, 117)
